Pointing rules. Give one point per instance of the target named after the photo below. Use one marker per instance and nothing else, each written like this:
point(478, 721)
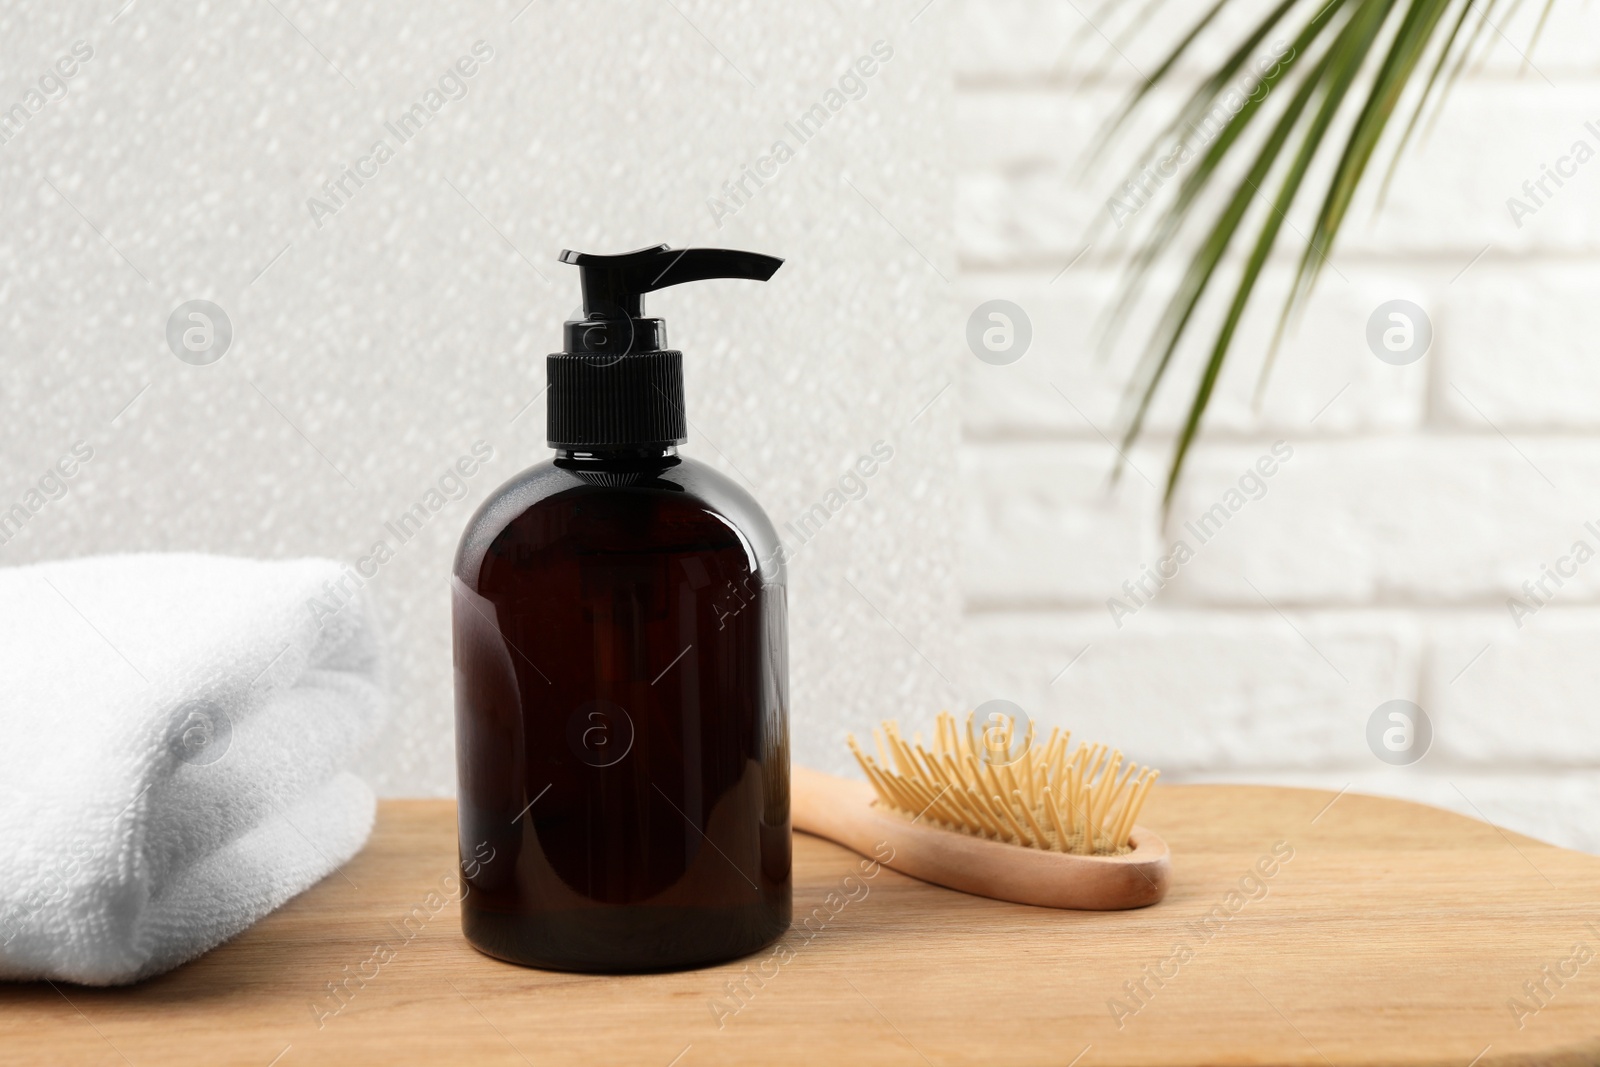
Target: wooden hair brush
point(996, 815)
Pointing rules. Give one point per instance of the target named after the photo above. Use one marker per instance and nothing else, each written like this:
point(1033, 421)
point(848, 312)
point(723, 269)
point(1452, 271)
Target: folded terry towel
point(176, 735)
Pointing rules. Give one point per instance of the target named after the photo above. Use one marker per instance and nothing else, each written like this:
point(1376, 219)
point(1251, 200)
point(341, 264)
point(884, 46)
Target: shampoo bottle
point(621, 667)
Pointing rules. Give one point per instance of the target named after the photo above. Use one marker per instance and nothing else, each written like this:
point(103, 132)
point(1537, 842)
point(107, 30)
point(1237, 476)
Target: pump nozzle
point(617, 384)
point(615, 285)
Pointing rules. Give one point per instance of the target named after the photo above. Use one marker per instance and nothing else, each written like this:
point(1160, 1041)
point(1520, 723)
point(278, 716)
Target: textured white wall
point(1418, 499)
point(372, 350)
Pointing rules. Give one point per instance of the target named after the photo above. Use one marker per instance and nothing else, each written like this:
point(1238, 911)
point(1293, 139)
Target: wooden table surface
point(1386, 933)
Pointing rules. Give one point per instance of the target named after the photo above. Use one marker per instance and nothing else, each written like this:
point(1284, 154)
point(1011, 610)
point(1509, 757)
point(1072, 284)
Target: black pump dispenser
point(616, 385)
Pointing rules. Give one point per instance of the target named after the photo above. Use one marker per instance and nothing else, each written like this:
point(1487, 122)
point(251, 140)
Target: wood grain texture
point(1394, 933)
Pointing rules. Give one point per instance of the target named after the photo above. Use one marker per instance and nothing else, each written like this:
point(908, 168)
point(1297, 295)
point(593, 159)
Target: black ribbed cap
point(599, 400)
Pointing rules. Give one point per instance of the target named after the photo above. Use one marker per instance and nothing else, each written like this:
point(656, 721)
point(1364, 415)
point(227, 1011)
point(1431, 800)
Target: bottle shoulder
point(509, 500)
point(549, 503)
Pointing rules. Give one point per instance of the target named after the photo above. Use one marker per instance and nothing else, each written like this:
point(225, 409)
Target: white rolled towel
point(175, 760)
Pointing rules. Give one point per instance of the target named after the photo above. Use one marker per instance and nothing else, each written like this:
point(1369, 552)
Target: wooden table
point(1394, 934)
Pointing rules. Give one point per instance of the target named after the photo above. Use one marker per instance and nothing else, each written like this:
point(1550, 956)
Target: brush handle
point(844, 812)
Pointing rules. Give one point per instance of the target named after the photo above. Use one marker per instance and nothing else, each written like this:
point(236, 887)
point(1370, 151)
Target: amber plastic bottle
point(622, 668)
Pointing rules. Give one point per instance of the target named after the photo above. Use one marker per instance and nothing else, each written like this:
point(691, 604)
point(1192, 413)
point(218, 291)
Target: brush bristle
point(1001, 787)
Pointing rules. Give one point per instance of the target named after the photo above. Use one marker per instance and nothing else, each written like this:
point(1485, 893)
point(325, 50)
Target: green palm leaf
point(1347, 55)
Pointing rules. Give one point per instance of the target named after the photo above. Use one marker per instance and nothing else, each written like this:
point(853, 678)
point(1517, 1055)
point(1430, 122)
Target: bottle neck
point(632, 458)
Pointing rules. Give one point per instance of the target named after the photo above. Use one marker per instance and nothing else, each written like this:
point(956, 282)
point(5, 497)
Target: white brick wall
point(1378, 561)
